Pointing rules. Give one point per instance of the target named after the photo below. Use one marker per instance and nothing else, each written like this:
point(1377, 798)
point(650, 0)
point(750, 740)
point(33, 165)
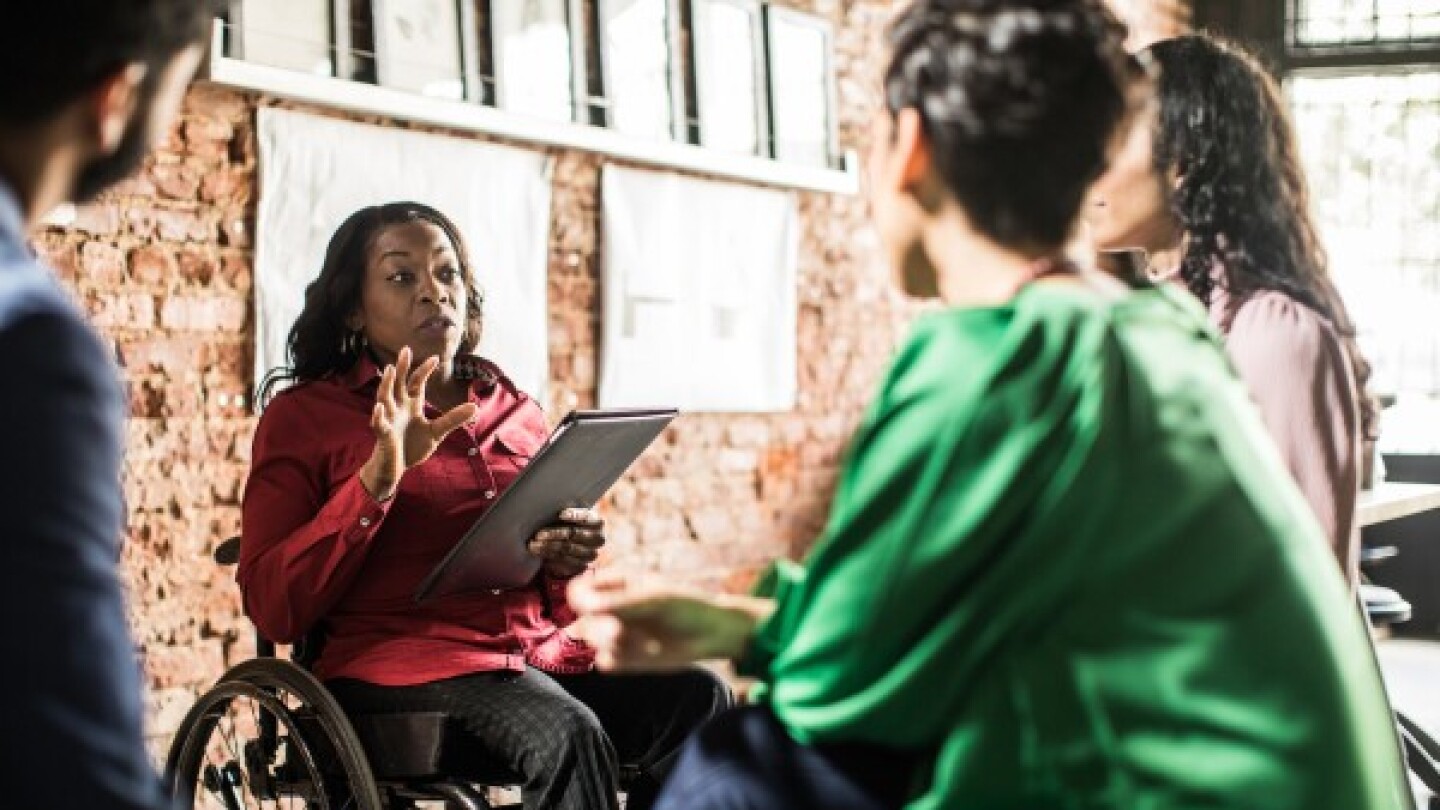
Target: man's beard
point(104, 172)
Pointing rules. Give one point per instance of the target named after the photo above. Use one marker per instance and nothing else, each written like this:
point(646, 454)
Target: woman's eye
point(401, 277)
point(447, 274)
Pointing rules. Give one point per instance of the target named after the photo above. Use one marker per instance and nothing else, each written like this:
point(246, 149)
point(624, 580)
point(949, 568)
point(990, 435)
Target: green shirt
point(1066, 565)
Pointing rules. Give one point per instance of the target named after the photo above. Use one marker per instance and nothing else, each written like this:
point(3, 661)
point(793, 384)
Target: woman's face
point(1128, 208)
point(413, 293)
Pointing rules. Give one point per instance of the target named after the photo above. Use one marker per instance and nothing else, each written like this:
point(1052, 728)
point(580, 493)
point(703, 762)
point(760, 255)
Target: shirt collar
point(482, 373)
point(362, 373)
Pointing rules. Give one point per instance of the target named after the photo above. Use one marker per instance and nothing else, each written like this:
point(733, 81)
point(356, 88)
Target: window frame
point(1347, 56)
point(778, 15)
point(578, 41)
point(675, 81)
point(699, 31)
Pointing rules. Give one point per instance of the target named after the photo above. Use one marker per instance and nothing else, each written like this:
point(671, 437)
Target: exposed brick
point(228, 185)
point(185, 226)
point(142, 221)
point(102, 264)
point(216, 102)
point(152, 265)
point(178, 181)
point(189, 665)
point(207, 136)
point(235, 270)
point(204, 314)
point(62, 256)
point(152, 354)
point(98, 219)
point(196, 266)
point(235, 230)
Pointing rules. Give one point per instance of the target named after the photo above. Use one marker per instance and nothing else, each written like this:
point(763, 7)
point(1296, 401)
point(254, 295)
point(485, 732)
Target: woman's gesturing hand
point(404, 435)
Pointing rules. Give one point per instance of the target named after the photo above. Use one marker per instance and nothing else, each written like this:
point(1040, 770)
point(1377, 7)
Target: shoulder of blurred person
point(86, 89)
point(75, 703)
point(1294, 363)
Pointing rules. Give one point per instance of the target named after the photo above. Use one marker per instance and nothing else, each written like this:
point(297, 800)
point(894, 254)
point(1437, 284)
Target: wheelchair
point(268, 734)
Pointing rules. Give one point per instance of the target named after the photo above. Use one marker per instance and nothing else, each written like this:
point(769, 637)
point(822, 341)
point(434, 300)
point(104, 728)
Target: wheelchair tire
point(269, 735)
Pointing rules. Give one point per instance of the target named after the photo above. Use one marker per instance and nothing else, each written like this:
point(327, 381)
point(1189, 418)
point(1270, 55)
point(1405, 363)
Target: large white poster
point(699, 294)
point(316, 171)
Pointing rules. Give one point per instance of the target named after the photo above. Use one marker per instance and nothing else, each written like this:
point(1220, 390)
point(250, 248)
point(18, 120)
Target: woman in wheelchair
point(392, 437)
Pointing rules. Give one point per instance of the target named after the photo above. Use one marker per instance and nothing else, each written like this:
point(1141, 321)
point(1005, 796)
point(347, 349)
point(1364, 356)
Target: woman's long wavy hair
point(1241, 196)
point(321, 343)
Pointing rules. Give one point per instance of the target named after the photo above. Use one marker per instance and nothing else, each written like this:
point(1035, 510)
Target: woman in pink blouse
point(1209, 184)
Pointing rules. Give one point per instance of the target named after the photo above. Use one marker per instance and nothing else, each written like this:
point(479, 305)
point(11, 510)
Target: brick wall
point(163, 265)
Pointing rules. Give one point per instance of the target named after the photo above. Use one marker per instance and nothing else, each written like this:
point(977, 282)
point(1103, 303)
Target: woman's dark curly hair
point(1018, 100)
point(1241, 196)
point(321, 343)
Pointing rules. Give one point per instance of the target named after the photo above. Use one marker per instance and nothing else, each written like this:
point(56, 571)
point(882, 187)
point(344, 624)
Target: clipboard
point(582, 459)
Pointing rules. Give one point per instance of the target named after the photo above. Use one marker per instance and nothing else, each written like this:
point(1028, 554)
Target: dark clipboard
point(583, 458)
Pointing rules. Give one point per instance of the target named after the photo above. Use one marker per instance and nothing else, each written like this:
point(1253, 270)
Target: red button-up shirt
point(317, 549)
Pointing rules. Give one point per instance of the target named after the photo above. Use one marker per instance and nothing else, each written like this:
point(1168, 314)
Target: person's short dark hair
point(52, 52)
point(1018, 99)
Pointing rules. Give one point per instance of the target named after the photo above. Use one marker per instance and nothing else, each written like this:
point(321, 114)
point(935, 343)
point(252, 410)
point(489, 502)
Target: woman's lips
point(437, 324)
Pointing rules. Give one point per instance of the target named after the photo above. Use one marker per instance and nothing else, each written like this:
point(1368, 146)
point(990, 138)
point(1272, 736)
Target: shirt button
point(495, 592)
point(365, 521)
point(474, 451)
point(489, 493)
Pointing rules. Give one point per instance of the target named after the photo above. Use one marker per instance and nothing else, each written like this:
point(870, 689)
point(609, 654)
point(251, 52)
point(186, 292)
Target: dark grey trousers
point(566, 735)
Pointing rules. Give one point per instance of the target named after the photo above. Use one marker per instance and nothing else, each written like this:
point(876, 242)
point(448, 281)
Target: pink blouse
point(1297, 370)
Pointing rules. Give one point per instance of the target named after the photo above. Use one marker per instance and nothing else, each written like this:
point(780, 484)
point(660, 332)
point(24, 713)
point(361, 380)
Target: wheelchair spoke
point(269, 738)
point(237, 753)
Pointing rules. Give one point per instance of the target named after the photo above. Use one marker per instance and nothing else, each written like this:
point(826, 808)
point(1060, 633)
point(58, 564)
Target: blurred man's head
point(87, 87)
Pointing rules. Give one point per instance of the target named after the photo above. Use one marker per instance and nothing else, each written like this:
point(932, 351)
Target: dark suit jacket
point(70, 708)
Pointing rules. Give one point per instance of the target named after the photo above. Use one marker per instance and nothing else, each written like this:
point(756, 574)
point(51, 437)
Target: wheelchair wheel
point(269, 735)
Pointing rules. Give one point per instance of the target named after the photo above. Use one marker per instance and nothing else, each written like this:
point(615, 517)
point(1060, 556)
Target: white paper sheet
point(699, 294)
point(316, 171)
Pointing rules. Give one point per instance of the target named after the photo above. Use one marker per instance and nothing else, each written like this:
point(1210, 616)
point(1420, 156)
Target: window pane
point(637, 50)
point(1371, 146)
point(799, 78)
point(725, 71)
point(1344, 22)
point(292, 34)
point(421, 50)
point(532, 44)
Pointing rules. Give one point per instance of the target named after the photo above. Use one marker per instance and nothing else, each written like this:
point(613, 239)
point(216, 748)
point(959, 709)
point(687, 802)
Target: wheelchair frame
point(303, 747)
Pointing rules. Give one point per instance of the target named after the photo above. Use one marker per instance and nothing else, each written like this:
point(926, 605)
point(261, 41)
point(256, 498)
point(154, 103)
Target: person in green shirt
point(1065, 566)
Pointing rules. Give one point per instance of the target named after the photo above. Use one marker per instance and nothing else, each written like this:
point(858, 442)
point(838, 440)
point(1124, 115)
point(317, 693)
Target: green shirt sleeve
point(954, 502)
point(778, 581)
